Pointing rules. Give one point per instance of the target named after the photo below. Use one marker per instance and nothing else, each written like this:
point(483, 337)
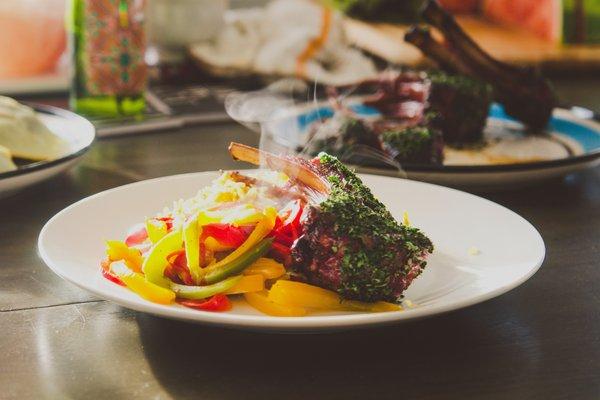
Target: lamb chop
point(523, 92)
point(350, 243)
point(453, 104)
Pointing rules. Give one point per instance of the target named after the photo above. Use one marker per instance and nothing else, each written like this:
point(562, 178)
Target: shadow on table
point(432, 356)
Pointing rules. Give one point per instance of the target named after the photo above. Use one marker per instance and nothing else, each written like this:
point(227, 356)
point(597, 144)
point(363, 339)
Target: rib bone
point(290, 167)
point(523, 92)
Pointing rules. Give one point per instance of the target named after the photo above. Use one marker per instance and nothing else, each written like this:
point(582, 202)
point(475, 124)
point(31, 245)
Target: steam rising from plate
point(290, 117)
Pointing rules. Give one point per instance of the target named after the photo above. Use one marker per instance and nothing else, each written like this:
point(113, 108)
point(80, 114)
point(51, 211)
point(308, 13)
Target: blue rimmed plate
point(509, 158)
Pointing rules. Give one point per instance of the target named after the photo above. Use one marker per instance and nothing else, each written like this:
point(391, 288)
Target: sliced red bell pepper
point(108, 274)
point(178, 263)
point(226, 234)
point(217, 303)
point(137, 237)
point(278, 223)
point(288, 230)
point(280, 252)
point(168, 221)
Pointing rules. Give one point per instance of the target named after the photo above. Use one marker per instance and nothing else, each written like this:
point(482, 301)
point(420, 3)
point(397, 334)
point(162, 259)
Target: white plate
point(511, 250)
point(77, 131)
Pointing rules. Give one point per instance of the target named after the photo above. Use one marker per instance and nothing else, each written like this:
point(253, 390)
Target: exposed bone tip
point(294, 169)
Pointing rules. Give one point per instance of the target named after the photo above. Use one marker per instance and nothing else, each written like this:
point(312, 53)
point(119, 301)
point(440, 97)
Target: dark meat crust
point(352, 244)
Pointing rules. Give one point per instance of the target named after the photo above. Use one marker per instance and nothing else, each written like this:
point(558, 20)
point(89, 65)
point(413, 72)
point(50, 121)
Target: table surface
point(539, 341)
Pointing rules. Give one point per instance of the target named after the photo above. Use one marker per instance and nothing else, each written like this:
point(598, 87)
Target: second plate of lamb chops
point(474, 122)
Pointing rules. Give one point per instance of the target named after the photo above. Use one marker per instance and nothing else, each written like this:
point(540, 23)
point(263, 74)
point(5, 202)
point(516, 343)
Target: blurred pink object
point(32, 36)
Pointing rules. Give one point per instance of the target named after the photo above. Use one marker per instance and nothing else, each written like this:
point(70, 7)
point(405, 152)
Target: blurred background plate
point(571, 144)
point(76, 130)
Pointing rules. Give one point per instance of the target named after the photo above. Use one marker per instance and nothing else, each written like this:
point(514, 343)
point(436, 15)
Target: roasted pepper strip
point(290, 293)
point(261, 302)
point(116, 251)
point(137, 283)
point(248, 283)
point(155, 263)
point(237, 265)
point(266, 267)
point(261, 230)
point(202, 292)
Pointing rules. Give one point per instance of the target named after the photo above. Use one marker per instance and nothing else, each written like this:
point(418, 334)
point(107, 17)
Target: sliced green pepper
point(237, 265)
point(156, 229)
point(191, 240)
point(202, 292)
point(155, 263)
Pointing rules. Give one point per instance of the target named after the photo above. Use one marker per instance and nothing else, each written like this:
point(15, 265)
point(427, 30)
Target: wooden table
point(540, 341)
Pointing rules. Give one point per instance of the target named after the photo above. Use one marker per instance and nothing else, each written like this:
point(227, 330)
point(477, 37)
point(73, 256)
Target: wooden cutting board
point(507, 44)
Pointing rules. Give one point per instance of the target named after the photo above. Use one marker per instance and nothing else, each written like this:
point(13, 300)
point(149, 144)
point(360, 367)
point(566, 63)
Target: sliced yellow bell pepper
point(213, 245)
point(261, 302)
point(244, 215)
point(138, 283)
point(266, 267)
point(262, 229)
point(405, 220)
point(248, 283)
point(209, 217)
point(116, 251)
point(191, 239)
point(298, 294)
point(155, 263)
point(156, 229)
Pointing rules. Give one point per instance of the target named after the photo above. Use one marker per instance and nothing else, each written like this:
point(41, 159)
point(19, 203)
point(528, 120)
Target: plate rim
point(307, 323)
point(41, 165)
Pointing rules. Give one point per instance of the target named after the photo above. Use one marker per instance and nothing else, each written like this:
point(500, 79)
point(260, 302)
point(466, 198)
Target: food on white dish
point(304, 236)
point(25, 135)
point(6, 162)
point(286, 38)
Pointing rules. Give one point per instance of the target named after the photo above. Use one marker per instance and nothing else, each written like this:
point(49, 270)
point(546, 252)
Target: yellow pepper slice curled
point(247, 284)
point(117, 251)
point(137, 283)
point(261, 302)
point(213, 245)
point(266, 267)
point(298, 294)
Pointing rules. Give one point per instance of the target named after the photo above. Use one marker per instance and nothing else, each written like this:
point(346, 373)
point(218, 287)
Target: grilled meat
point(350, 243)
point(455, 105)
point(415, 145)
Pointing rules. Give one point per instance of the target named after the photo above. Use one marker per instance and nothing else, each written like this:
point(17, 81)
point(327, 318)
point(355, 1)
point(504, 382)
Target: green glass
point(581, 21)
point(109, 78)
